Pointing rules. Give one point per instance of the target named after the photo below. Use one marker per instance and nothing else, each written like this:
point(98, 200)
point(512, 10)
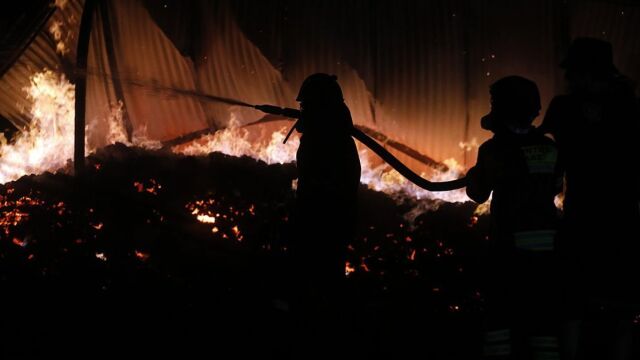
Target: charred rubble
point(157, 252)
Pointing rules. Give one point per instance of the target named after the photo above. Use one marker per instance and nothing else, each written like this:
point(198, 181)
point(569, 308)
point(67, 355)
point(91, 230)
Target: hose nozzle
point(286, 112)
point(276, 110)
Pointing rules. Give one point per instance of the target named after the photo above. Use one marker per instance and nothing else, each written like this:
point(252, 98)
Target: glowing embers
point(120, 224)
point(207, 219)
point(14, 213)
point(18, 212)
point(378, 251)
point(150, 186)
point(224, 218)
point(142, 256)
point(47, 144)
point(348, 269)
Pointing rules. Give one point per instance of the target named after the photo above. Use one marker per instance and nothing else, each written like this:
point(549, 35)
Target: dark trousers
point(522, 294)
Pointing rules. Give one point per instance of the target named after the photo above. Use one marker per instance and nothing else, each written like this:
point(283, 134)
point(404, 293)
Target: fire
point(363, 265)
point(236, 232)
point(12, 218)
point(207, 219)
point(61, 3)
point(559, 201)
point(483, 208)
point(141, 255)
point(13, 213)
point(383, 178)
point(348, 269)
point(470, 145)
point(48, 142)
point(19, 242)
point(47, 145)
point(97, 226)
point(56, 30)
point(152, 187)
point(117, 132)
point(234, 141)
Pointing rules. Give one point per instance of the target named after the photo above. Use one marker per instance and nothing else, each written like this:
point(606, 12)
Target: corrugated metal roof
point(418, 71)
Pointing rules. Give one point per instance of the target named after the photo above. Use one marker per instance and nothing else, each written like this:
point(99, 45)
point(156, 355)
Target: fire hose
point(376, 148)
point(295, 114)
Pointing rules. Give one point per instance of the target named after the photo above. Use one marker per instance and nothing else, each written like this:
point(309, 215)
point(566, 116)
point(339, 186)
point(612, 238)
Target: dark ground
point(116, 264)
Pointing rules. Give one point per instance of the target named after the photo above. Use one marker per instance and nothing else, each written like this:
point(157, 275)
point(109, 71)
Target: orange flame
point(348, 269)
point(48, 142)
point(235, 141)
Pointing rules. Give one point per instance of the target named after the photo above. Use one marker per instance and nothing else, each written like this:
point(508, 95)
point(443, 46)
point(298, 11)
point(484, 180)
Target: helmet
point(590, 54)
point(320, 87)
point(515, 101)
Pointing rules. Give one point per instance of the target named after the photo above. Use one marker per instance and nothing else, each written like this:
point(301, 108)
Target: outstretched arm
point(478, 185)
point(380, 151)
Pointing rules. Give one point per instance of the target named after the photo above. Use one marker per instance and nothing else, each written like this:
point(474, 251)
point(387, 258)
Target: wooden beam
point(81, 84)
point(105, 16)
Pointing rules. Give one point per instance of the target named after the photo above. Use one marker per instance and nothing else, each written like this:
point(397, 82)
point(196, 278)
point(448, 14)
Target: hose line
point(379, 150)
point(403, 169)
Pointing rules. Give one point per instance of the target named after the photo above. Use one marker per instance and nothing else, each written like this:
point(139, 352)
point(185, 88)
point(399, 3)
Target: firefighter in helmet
point(328, 179)
point(325, 215)
point(519, 168)
point(596, 125)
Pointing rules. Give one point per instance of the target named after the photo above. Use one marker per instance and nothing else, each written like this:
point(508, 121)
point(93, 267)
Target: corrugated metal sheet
point(229, 65)
point(415, 67)
point(399, 63)
point(419, 71)
point(39, 55)
point(145, 56)
point(510, 38)
point(618, 23)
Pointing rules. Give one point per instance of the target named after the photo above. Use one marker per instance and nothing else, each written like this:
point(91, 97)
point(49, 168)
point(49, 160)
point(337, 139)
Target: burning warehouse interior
point(174, 179)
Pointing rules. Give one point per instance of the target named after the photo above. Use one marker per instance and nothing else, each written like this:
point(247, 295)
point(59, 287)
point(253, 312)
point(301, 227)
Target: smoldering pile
point(144, 226)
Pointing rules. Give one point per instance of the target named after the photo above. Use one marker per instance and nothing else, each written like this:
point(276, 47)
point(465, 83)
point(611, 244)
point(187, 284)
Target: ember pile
point(180, 253)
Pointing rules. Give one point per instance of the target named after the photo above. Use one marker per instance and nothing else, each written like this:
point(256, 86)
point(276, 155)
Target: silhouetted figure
point(596, 127)
point(520, 167)
point(328, 179)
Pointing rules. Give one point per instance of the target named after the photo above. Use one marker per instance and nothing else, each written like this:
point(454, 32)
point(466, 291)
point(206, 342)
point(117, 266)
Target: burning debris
point(190, 220)
point(190, 212)
point(210, 212)
point(48, 143)
point(236, 141)
point(148, 214)
point(239, 141)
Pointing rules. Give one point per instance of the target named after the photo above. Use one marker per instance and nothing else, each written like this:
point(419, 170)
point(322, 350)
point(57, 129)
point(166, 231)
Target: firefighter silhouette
point(325, 217)
point(519, 168)
point(596, 127)
point(328, 179)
